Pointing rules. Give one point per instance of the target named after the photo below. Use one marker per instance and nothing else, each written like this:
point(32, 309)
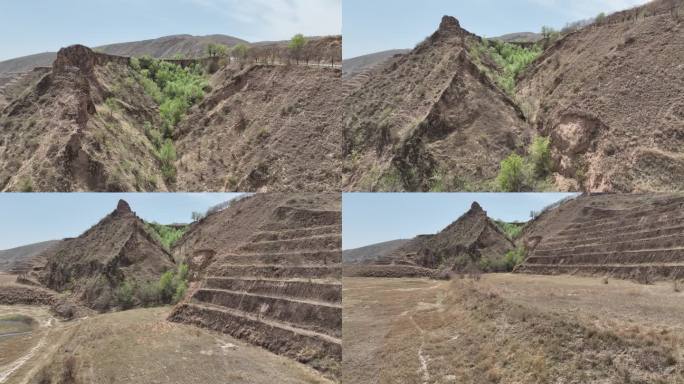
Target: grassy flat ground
point(510, 328)
point(138, 346)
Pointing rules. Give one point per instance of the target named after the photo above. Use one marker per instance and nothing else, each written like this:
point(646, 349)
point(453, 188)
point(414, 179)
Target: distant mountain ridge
point(11, 258)
point(371, 252)
point(163, 47)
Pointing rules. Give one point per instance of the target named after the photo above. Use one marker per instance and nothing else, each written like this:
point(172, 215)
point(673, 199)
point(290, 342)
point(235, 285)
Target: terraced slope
point(637, 237)
point(280, 290)
point(429, 120)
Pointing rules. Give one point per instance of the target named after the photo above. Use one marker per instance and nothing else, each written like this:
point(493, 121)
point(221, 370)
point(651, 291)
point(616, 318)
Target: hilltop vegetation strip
point(167, 235)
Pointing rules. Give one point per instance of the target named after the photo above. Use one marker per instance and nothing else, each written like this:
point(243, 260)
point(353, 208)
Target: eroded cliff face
point(610, 98)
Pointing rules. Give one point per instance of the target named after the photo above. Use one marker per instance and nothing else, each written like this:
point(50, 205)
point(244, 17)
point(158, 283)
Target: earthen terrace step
point(317, 316)
point(303, 345)
point(619, 236)
point(659, 242)
point(277, 271)
point(645, 256)
point(328, 242)
point(289, 234)
point(325, 257)
point(325, 290)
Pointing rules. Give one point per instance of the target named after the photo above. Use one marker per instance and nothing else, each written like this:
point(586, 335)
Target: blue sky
point(34, 26)
point(378, 25)
point(32, 217)
point(369, 218)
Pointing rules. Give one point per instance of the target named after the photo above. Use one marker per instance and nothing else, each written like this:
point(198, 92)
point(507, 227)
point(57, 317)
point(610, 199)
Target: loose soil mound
point(429, 119)
point(625, 235)
point(268, 270)
point(265, 128)
point(92, 266)
point(610, 96)
point(472, 242)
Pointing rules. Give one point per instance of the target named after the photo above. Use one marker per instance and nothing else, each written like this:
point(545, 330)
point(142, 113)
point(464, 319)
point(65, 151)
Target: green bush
point(512, 230)
point(124, 295)
point(510, 58)
point(167, 236)
point(511, 177)
point(175, 88)
point(167, 286)
point(514, 258)
point(167, 156)
point(540, 156)
point(180, 291)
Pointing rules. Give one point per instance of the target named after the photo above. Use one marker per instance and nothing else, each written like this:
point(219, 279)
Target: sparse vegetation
point(167, 156)
point(167, 235)
point(175, 88)
point(510, 58)
point(512, 176)
point(169, 289)
point(512, 230)
point(519, 173)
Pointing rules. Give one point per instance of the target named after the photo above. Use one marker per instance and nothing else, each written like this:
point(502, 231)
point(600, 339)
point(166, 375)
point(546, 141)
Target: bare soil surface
point(138, 346)
point(610, 98)
point(509, 328)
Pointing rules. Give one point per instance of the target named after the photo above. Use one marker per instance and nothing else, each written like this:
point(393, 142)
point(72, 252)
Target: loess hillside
point(429, 120)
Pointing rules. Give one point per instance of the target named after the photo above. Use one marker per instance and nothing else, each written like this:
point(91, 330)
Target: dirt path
point(511, 329)
point(140, 346)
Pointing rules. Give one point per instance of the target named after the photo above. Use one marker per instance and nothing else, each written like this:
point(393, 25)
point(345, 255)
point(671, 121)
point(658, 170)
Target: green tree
point(217, 50)
point(296, 46)
point(196, 216)
point(600, 18)
point(511, 177)
point(240, 51)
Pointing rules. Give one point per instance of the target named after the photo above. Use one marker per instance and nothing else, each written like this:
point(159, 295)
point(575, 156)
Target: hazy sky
point(378, 25)
point(34, 26)
point(369, 218)
point(33, 217)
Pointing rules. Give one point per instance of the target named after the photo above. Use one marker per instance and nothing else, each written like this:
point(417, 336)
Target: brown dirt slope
point(274, 281)
point(60, 135)
point(92, 266)
point(610, 96)
point(473, 239)
point(266, 128)
point(630, 236)
point(429, 120)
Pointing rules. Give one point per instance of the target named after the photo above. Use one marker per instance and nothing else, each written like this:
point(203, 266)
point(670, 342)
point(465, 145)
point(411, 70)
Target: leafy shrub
point(180, 291)
point(540, 156)
point(175, 88)
point(167, 156)
point(510, 58)
point(512, 230)
point(124, 295)
point(167, 236)
point(514, 258)
point(511, 177)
